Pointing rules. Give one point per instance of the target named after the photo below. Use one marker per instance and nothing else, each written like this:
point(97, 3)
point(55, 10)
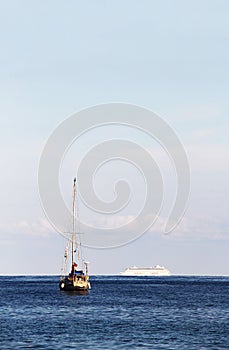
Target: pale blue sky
point(170, 56)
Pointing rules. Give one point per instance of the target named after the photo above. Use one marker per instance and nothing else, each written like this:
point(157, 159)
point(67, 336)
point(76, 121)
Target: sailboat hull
point(78, 284)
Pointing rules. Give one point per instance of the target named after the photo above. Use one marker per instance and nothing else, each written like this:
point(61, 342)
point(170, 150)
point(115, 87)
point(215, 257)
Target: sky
point(170, 57)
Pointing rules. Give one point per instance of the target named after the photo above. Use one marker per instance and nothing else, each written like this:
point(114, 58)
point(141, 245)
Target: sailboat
point(78, 278)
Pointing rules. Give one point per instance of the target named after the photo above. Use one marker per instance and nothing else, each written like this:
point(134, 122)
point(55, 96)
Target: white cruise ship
point(146, 271)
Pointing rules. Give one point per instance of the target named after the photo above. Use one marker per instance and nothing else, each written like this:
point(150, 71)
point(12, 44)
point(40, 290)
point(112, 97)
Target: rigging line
point(73, 218)
point(78, 221)
point(65, 262)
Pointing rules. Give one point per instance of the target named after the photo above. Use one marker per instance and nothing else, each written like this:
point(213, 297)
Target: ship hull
point(71, 285)
point(157, 271)
point(144, 274)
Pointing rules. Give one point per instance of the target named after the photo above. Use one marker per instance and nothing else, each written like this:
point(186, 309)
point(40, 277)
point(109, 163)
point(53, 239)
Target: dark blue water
point(118, 313)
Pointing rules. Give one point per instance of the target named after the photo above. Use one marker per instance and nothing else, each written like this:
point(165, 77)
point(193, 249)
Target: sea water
point(118, 313)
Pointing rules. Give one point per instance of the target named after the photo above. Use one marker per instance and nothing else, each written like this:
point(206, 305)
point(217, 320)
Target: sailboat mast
point(73, 219)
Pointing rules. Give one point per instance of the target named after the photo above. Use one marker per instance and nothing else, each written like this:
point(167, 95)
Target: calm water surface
point(118, 313)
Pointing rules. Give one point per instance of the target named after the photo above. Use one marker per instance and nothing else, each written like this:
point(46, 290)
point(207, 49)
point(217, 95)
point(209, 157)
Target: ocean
point(118, 313)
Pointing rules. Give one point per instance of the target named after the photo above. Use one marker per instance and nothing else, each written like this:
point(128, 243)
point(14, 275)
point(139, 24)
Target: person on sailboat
point(74, 267)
